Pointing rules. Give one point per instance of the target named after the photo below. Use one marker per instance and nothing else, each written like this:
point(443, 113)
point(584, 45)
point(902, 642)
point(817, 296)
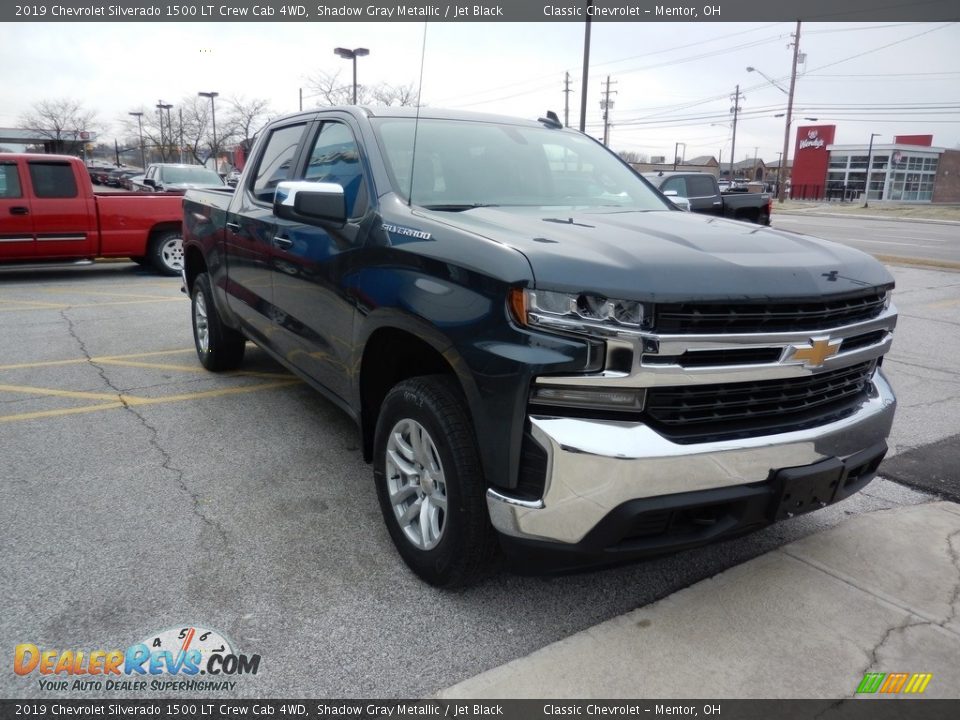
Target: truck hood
point(661, 256)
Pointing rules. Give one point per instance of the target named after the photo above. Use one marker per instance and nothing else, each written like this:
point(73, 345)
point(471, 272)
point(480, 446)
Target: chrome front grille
point(723, 410)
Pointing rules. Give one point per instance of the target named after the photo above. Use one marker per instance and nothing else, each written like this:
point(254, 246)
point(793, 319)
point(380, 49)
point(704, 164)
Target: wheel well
point(162, 228)
point(193, 265)
point(389, 357)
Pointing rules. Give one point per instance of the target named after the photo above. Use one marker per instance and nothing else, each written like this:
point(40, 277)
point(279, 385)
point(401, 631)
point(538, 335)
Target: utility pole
point(606, 104)
point(866, 194)
point(786, 132)
point(586, 68)
point(736, 97)
point(566, 99)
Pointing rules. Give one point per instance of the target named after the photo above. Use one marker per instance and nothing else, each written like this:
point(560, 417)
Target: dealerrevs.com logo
point(170, 660)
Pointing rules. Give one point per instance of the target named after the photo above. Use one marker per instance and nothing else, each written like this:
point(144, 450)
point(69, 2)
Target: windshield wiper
point(459, 208)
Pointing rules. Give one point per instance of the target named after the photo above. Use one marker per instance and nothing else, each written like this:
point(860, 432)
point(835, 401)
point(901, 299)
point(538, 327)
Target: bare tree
point(248, 116)
point(60, 121)
point(632, 156)
point(403, 95)
point(328, 89)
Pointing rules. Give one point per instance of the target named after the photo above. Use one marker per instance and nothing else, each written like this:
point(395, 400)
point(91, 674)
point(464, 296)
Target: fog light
point(610, 398)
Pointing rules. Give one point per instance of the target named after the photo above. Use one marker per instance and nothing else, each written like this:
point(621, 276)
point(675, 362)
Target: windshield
point(195, 174)
point(462, 164)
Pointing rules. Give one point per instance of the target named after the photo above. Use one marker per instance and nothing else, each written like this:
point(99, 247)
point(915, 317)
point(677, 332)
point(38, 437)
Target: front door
point(315, 312)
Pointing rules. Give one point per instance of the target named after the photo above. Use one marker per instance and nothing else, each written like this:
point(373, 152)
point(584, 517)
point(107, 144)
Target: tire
point(166, 252)
point(430, 485)
point(218, 347)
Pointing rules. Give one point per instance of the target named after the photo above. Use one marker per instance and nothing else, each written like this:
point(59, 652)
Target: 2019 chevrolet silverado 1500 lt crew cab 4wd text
point(49, 213)
point(539, 350)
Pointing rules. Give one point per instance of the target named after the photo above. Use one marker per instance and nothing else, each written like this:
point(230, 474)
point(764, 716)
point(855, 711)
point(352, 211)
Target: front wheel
point(430, 484)
point(166, 252)
point(219, 347)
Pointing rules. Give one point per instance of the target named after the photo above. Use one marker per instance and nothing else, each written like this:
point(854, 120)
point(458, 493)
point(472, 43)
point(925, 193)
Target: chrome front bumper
point(594, 466)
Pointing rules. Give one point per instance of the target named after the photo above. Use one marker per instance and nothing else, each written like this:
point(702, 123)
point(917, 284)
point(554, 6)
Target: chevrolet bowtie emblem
point(814, 354)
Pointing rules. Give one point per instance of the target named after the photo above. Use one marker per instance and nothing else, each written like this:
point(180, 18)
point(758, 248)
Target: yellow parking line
point(100, 293)
point(222, 392)
point(71, 306)
point(32, 302)
point(30, 390)
point(59, 413)
point(132, 400)
point(154, 366)
point(100, 359)
point(944, 303)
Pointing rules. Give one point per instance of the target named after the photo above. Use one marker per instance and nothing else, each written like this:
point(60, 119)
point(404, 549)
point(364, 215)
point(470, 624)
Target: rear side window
point(52, 180)
point(677, 184)
point(276, 163)
point(700, 186)
point(9, 181)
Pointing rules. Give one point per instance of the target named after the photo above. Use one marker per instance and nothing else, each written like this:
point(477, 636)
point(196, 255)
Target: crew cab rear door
point(64, 214)
point(700, 190)
point(16, 223)
point(251, 229)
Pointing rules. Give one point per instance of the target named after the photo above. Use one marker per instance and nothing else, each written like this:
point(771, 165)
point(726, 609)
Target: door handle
point(19, 210)
point(233, 227)
point(282, 242)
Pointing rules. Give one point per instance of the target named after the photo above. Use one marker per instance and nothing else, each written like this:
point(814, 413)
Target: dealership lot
point(140, 493)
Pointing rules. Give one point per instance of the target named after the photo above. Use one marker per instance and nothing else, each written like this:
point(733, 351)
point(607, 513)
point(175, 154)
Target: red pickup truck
point(49, 213)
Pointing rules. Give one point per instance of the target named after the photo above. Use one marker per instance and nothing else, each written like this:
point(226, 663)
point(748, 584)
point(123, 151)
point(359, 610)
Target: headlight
point(582, 312)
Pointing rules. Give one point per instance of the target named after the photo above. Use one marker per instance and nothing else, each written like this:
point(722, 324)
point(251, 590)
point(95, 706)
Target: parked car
point(540, 353)
point(175, 177)
point(49, 213)
point(132, 182)
point(118, 176)
point(703, 192)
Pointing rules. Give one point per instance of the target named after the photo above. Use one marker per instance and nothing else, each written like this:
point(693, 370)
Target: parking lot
point(141, 493)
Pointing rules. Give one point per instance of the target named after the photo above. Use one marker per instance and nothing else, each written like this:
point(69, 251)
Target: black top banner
point(481, 11)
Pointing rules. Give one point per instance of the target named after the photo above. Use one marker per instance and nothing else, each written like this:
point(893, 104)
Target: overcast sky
point(673, 81)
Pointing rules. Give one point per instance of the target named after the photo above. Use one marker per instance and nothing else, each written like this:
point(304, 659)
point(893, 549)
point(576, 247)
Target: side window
point(9, 181)
point(700, 186)
point(335, 158)
point(276, 163)
point(676, 184)
point(52, 180)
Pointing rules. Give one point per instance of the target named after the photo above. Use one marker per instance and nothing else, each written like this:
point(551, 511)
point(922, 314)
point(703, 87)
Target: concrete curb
point(818, 213)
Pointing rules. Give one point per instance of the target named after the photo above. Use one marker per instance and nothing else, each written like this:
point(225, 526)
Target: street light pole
point(348, 54)
point(143, 157)
point(866, 194)
point(161, 106)
point(676, 147)
point(213, 117)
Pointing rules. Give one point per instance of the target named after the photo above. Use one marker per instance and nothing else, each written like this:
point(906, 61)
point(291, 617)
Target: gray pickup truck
point(541, 354)
point(704, 195)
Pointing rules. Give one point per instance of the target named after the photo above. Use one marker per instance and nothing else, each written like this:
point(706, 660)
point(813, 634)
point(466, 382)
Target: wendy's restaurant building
point(910, 169)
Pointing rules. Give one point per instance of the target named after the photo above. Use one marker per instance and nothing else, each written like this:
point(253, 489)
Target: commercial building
point(910, 169)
